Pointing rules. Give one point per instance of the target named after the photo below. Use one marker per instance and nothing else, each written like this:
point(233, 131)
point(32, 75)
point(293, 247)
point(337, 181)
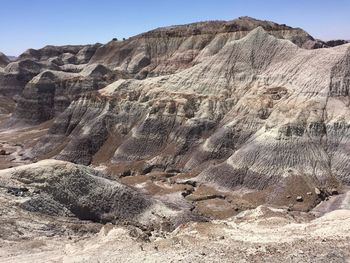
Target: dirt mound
point(59, 188)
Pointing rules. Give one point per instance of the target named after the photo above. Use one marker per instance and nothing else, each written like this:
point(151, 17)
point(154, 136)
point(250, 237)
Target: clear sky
point(36, 23)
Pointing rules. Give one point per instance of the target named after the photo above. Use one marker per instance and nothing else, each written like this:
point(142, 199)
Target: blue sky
point(36, 23)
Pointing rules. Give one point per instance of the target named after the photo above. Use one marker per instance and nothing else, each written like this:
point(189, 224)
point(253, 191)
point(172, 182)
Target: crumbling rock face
point(148, 124)
point(242, 25)
point(171, 49)
point(81, 54)
point(15, 75)
point(50, 92)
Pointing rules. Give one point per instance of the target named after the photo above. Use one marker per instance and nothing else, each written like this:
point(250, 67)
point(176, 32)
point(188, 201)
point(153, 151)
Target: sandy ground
point(16, 141)
point(259, 235)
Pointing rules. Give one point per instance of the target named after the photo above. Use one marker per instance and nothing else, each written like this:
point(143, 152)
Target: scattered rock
point(299, 199)
point(20, 192)
point(189, 182)
point(187, 192)
point(317, 191)
point(334, 191)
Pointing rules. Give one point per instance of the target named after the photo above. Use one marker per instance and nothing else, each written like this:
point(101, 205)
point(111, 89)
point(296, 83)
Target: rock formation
point(247, 107)
point(241, 104)
point(334, 43)
point(4, 61)
point(170, 49)
point(243, 122)
point(55, 186)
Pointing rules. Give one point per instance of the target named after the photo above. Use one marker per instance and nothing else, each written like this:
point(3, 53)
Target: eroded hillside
point(192, 123)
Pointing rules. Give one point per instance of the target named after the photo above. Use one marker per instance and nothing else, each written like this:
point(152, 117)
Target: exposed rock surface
point(334, 43)
point(4, 60)
point(49, 93)
point(254, 113)
point(78, 54)
point(62, 188)
point(171, 49)
point(17, 74)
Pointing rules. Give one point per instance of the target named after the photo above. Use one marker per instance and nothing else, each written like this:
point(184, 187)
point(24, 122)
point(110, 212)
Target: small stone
point(289, 196)
point(334, 191)
point(299, 199)
point(317, 191)
point(36, 192)
point(309, 193)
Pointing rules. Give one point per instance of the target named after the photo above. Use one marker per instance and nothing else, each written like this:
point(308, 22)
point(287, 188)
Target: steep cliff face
point(16, 74)
point(50, 92)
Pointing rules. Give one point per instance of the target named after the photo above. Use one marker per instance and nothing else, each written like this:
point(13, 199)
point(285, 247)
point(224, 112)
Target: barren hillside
point(232, 135)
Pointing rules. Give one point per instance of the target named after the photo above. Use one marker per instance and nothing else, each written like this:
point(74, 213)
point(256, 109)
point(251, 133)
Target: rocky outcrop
point(170, 49)
point(4, 60)
point(50, 92)
point(62, 188)
point(78, 54)
point(15, 75)
point(334, 43)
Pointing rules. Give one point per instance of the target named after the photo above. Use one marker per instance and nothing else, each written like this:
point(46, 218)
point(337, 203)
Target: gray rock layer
point(67, 189)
